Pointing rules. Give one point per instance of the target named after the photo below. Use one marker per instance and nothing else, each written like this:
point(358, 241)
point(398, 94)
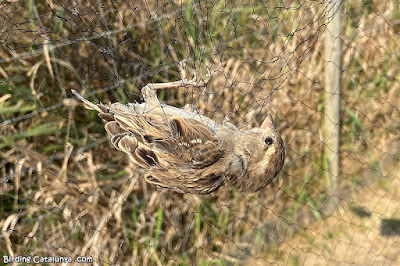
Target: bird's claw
point(150, 95)
point(196, 81)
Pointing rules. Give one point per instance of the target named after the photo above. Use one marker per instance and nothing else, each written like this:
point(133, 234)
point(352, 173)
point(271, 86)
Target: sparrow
point(184, 151)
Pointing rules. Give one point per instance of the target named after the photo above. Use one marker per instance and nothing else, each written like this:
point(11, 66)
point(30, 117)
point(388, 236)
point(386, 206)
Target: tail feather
point(88, 104)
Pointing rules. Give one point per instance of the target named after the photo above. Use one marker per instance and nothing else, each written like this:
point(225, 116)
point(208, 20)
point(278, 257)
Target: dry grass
point(65, 191)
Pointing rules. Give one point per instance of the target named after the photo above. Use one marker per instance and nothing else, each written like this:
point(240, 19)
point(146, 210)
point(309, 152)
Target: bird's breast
point(236, 165)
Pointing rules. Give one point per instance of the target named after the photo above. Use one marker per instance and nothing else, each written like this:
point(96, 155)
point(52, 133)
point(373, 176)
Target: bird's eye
point(269, 141)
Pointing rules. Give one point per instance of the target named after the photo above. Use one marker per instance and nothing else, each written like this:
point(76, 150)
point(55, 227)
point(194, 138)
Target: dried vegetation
point(64, 190)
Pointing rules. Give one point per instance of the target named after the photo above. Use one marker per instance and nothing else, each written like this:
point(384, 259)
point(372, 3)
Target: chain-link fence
point(67, 195)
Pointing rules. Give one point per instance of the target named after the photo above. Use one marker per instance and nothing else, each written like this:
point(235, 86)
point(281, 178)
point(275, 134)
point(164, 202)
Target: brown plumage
point(187, 152)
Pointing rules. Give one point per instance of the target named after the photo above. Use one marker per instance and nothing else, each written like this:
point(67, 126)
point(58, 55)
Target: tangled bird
point(188, 152)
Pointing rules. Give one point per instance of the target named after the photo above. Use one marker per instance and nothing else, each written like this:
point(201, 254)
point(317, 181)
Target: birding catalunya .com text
point(39, 259)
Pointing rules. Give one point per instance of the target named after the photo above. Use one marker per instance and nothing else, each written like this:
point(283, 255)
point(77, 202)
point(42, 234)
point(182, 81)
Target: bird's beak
point(268, 123)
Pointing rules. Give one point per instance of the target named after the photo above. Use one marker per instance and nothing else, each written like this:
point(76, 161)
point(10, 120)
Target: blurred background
point(65, 191)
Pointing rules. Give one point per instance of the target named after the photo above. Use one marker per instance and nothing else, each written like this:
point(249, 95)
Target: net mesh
point(67, 193)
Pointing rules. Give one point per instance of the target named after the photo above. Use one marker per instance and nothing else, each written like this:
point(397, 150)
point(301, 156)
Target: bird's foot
point(196, 81)
point(150, 96)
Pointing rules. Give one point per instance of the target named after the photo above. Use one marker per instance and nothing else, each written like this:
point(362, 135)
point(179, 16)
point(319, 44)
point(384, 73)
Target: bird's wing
point(175, 150)
point(164, 109)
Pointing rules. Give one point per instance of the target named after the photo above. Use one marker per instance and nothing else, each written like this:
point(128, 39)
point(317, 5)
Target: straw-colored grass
point(66, 192)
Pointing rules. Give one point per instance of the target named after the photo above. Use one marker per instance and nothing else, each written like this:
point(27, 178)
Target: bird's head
point(265, 152)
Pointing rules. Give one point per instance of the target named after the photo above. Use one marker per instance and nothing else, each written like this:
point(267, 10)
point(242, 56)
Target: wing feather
point(175, 151)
